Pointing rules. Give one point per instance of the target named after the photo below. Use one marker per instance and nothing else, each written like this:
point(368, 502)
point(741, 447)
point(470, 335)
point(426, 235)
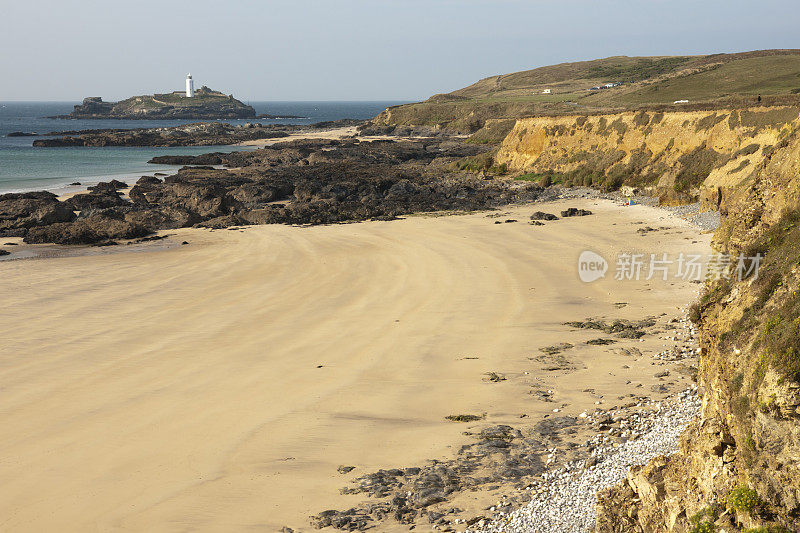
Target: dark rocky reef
point(498, 454)
point(20, 212)
point(267, 116)
point(216, 133)
point(215, 158)
point(197, 134)
point(295, 182)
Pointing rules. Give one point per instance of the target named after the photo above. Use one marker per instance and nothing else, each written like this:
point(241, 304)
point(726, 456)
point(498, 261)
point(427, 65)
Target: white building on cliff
point(189, 86)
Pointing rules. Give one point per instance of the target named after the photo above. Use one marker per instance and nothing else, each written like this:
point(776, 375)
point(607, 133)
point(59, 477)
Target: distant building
point(189, 86)
point(547, 91)
point(606, 86)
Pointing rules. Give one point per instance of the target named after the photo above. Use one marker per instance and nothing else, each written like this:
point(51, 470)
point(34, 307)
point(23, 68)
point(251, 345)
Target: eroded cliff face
point(739, 466)
point(680, 155)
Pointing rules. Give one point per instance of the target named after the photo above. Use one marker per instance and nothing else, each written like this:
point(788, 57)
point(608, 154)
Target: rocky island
point(204, 104)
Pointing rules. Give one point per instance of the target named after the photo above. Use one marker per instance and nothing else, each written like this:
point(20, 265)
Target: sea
point(25, 168)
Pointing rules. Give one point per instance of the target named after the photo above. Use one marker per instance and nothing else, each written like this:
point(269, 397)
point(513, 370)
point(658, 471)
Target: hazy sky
point(350, 49)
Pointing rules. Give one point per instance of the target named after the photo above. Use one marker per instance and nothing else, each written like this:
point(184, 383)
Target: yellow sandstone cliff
point(681, 155)
point(738, 468)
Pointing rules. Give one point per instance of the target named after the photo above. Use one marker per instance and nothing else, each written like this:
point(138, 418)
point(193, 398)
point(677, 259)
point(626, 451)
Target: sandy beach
point(326, 134)
point(217, 386)
point(335, 133)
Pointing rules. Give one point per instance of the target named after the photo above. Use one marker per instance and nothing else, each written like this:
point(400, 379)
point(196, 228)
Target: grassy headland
point(706, 81)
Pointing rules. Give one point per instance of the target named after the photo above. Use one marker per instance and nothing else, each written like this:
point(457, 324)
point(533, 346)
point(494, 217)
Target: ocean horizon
point(25, 168)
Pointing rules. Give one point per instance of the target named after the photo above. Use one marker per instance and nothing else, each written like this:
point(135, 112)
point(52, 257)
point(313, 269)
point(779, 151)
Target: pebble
point(564, 501)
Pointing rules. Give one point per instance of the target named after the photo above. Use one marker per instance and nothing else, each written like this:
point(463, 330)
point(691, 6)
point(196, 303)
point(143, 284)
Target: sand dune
point(217, 386)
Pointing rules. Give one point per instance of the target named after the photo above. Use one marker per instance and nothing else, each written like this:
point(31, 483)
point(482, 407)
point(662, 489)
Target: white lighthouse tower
point(189, 86)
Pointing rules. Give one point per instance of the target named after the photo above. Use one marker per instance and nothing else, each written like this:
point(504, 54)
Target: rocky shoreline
point(548, 472)
point(564, 500)
point(295, 182)
point(196, 134)
point(206, 134)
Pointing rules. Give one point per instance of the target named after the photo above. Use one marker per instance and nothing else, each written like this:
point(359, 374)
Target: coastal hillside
point(612, 84)
point(205, 104)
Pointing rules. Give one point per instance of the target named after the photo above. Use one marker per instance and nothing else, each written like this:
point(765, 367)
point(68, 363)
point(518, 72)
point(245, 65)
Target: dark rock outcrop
point(98, 226)
point(541, 215)
point(298, 182)
point(575, 212)
point(197, 134)
point(204, 159)
point(98, 200)
point(21, 211)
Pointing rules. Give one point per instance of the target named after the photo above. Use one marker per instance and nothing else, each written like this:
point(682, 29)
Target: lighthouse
point(189, 86)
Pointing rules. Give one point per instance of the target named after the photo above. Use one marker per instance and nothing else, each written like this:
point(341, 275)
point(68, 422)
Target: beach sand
point(217, 386)
point(329, 134)
point(335, 133)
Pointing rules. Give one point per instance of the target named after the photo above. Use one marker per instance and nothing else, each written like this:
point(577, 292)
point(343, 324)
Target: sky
point(271, 50)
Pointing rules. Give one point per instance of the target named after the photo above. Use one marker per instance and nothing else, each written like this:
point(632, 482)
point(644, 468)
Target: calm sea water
point(23, 167)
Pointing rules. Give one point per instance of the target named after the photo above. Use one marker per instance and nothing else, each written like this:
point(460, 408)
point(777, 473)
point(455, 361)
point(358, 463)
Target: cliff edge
point(681, 156)
point(738, 468)
point(739, 465)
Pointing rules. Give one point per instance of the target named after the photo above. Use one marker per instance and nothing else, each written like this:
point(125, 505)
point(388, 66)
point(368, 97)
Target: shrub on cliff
point(703, 521)
point(778, 337)
point(743, 499)
point(696, 166)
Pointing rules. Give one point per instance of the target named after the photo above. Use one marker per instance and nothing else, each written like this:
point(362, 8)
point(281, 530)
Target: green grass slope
point(769, 75)
point(708, 81)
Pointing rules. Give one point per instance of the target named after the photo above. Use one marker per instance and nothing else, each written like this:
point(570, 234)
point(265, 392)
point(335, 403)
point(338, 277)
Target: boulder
point(108, 186)
point(21, 211)
point(541, 215)
point(95, 200)
point(95, 228)
point(575, 212)
point(148, 180)
point(172, 160)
